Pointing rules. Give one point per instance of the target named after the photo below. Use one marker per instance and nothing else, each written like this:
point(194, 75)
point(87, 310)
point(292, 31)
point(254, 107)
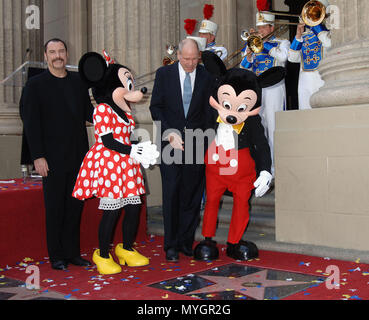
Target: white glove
point(262, 183)
point(145, 153)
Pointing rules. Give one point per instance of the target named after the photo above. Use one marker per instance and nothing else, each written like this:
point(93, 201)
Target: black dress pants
point(183, 187)
point(63, 216)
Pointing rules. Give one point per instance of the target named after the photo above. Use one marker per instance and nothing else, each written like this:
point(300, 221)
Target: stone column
point(77, 16)
point(225, 16)
point(135, 32)
point(17, 45)
point(346, 65)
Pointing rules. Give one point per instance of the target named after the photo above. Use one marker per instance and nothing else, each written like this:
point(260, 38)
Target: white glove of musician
point(145, 153)
point(262, 184)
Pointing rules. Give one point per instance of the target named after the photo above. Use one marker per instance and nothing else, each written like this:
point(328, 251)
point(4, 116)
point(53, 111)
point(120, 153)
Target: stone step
point(267, 201)
point(252, 233)
point(260, 223)
point(224, 216)
point(267, 242)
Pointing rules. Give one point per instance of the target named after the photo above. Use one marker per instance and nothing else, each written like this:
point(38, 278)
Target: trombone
point(255, 42)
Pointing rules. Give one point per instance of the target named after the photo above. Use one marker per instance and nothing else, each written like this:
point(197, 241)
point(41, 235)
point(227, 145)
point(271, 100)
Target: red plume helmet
point(263, 5)
point(190, 25)
point(208, 11)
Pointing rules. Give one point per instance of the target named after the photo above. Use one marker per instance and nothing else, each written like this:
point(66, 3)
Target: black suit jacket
point(167, 105)
point(54, 115)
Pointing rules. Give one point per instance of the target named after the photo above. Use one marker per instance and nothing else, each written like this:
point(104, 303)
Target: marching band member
point(208, 30)
point(308, 49)
point(275, 53)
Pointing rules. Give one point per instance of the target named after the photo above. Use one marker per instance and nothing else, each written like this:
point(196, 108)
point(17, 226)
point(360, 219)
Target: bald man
point(180, 102)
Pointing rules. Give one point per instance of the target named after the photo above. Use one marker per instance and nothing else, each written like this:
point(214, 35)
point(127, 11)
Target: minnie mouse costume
point(111, 169)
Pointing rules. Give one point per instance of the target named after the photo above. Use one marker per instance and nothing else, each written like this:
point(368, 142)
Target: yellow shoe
point(105, 266)
point(130, 258)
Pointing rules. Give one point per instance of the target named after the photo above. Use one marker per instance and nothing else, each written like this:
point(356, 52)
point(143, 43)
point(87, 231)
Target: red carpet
point(22, 223)
point(138, 283)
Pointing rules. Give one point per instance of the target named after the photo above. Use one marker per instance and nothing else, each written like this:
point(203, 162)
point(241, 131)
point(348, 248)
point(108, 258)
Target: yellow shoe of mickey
point(104, 265)
point(130, 258)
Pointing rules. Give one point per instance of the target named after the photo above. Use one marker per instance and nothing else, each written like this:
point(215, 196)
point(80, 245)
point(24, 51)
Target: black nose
point(231, 119)
point(144, 90)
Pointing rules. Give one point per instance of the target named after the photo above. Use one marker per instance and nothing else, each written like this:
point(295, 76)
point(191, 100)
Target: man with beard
point(56, 106)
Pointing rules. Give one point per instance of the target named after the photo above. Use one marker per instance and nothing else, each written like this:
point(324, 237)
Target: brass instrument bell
point(313, 13)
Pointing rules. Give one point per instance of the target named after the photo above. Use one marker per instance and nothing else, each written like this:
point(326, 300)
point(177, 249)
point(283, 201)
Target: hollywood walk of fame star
point(252, 285)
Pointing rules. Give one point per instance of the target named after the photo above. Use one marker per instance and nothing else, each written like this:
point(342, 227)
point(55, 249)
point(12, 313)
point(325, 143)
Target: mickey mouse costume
point(111, 169)
point(239, 151)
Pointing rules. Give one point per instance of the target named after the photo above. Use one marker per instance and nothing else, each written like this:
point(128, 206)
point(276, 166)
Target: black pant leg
point(170, 175)
point(191, 192)
point(72, 219)
point(53, 189)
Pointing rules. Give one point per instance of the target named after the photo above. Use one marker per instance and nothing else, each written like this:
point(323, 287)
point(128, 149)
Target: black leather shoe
point(206, 250)
point(59, 265)
point(80, 262)
point(172, 255)
point(186, 250)
point(244, 250)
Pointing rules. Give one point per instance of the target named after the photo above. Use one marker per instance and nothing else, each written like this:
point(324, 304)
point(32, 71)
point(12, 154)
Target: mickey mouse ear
point(92, 68)
point(272, 76)
point(213, 63)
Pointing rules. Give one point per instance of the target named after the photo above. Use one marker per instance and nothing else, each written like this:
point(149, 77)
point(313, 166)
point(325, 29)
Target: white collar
point(183, 72)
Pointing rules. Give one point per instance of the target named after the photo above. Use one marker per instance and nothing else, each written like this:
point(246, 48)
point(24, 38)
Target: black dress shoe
point(80, 262)
point(186, 250)
point(59, 265)
point(172, 255)
point(244, 250)
point(206, 250)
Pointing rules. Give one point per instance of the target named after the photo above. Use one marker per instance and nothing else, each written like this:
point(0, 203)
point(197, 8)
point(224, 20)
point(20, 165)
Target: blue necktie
point(187, 94)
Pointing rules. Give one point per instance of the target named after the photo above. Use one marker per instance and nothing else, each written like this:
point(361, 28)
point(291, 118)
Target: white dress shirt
point(182, 76)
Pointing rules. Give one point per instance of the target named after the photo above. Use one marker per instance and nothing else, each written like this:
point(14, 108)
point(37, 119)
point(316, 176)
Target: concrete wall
point(322, 177)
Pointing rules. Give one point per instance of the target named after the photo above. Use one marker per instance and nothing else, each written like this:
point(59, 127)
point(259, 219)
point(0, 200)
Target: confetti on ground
point(133, 283)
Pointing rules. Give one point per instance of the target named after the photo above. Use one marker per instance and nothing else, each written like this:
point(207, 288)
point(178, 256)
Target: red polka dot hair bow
point(108, 59)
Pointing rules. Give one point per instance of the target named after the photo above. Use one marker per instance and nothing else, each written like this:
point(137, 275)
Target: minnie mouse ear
point(92, 68)
point(213, 63)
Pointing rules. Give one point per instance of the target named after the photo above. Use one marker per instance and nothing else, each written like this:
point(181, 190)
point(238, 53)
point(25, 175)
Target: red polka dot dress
point(114, 177)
